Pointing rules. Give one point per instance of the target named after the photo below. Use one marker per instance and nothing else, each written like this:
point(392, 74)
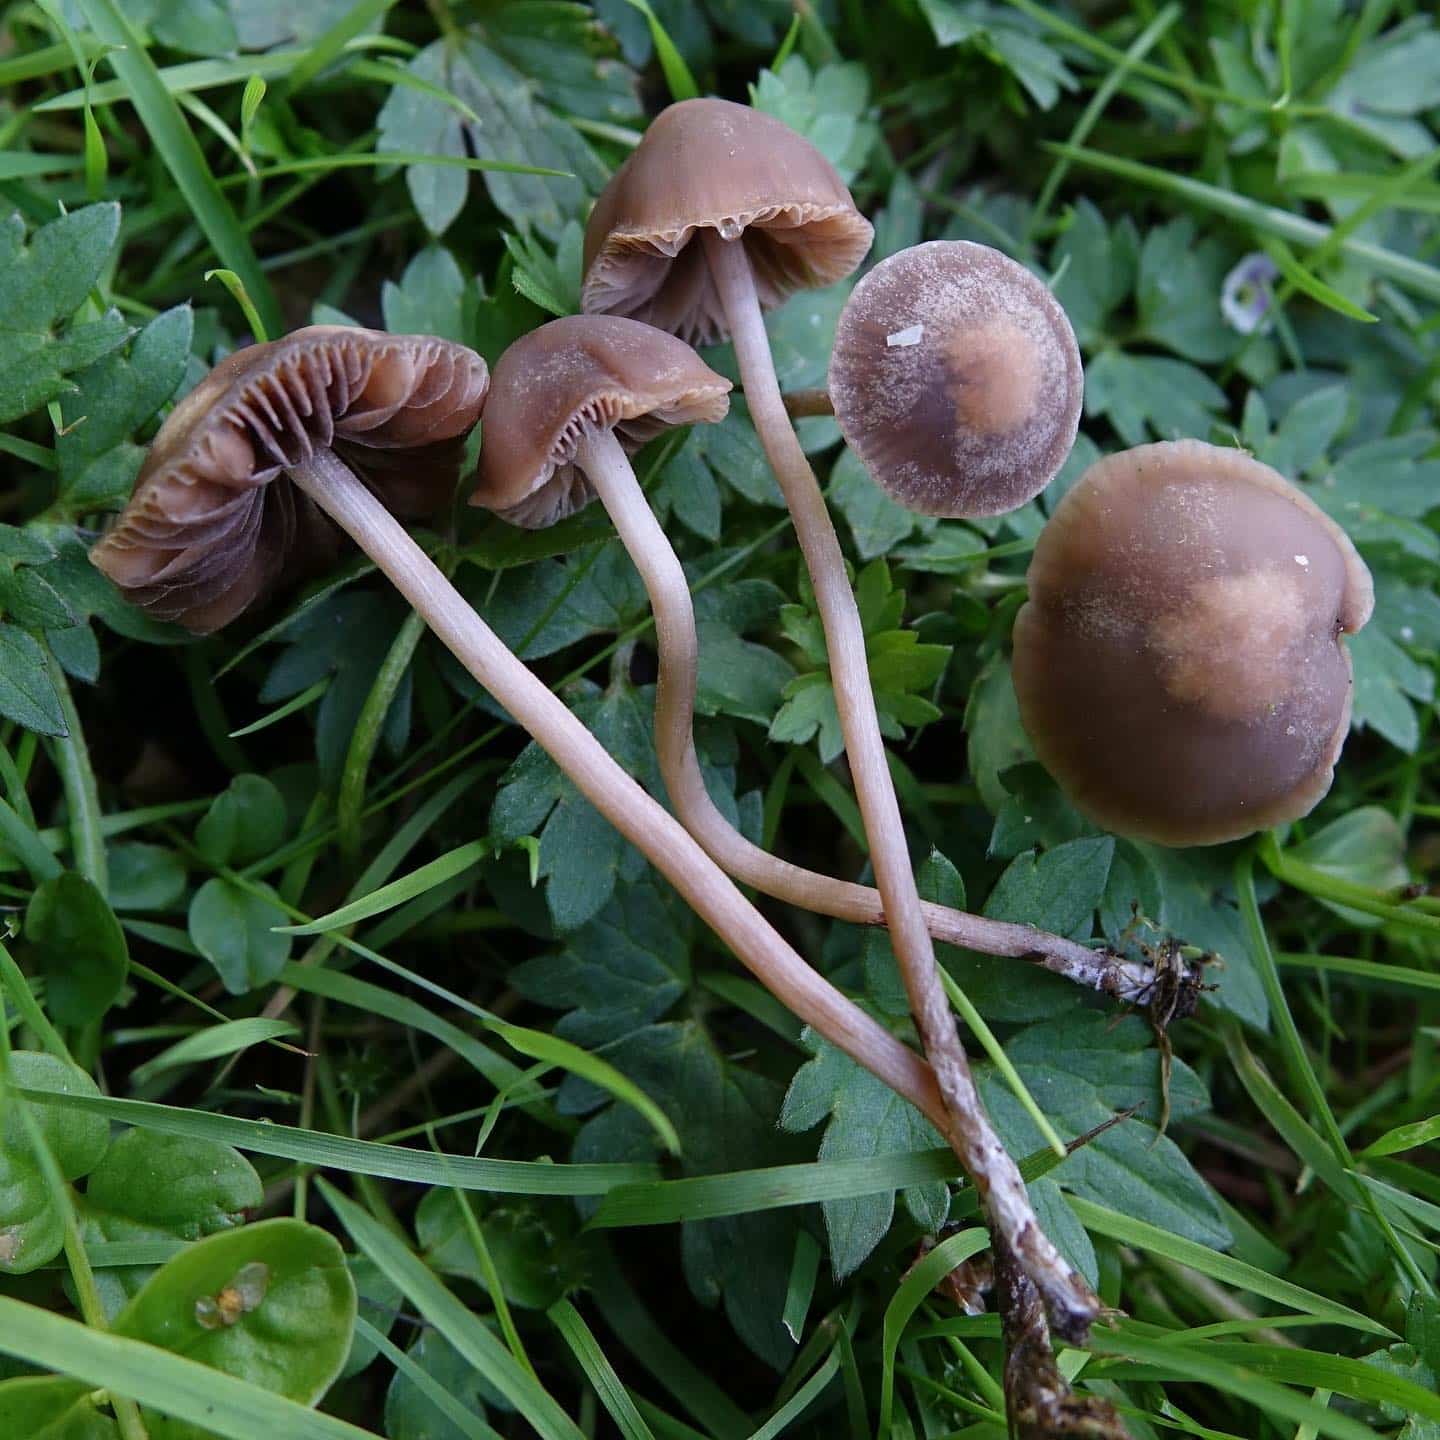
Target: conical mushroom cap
point(1179, 664)
point(715, 165)
point(213, 522)
point(956, 379)
point(571, 377)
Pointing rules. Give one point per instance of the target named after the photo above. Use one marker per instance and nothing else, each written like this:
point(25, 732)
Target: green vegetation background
point(548, 1109)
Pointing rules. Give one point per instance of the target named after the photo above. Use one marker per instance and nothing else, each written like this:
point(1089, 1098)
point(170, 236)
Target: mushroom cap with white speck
point(1179, 664)
point(956, 379)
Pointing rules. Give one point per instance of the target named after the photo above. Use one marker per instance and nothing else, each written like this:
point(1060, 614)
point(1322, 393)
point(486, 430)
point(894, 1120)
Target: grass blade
point(213, 1044)
point(462, 1328)
point(182, 155)
point(209, 1399)
point(598, 1370)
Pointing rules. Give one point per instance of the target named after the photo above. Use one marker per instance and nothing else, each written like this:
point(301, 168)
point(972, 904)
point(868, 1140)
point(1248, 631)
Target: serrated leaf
point(27, 691)
point(1151, 397)
point(512, 128)
point(97, 453)
point(1386, 680)
point(432, 298)
point(43, 280)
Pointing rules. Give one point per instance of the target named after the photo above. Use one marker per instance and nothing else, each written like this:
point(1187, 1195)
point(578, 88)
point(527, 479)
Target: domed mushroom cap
point(1179, 664)
point(571, 377)
point(956, 379)
point(213, 523)
point(715, 165)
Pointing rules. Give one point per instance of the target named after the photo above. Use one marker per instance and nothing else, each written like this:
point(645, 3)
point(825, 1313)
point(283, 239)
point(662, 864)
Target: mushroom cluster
point(1179, 663)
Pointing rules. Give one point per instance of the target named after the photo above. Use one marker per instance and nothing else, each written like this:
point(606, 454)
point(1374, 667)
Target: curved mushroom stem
point(635, 814)
point(610, 472)
point(1069, 1300)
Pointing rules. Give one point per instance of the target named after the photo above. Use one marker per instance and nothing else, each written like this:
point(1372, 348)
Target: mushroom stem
point(609, 471)
point(806, 404)
point(1068, 1298)
point(635, 814)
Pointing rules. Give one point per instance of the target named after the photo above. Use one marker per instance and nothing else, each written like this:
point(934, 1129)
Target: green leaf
point(622, 970)
point(1151, 397)
point(415, 1410)
point(27, 691)
point(1364, 847)
point(52, 1408)
point(432, 298)
point(81, 947)
point(213, 1043)
point(536, 797)
point(245, 821)
point(153, 1187)
point(31, 1227)
point(235, 931)
point(876, 522)
point(512, 127)
point(863, 1118)
point(43, 282)
point(272, 1304)
point(459, 1325)
point(1386, 681)
point(194, 1393)
point(827, 106)
point(144, 877)
point(1081, 1070)
point(534, 1245)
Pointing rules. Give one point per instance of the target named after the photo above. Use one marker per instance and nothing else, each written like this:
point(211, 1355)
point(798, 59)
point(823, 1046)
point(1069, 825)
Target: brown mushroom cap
point(568, 378)
point(206, 532)
point(956, 379)
point(1179, 664)
point(715, 165)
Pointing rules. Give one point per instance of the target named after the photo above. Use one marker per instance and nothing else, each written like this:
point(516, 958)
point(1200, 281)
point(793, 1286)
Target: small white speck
point(1407, 633)
point(913, 336)
point(1289, 729)
point(1303, 561)
point(1028, 819)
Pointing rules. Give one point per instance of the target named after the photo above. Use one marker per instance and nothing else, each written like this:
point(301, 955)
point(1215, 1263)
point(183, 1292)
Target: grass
point(588, 1178)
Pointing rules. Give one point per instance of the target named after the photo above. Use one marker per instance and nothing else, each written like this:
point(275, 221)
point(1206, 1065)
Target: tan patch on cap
point(996, 377)
point(1233, 649)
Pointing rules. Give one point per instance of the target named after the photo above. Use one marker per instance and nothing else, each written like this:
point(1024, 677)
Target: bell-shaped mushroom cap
point(213, 523)
point(715, 165)
point(956, 379)
point(569, 378)
point(1179, 664)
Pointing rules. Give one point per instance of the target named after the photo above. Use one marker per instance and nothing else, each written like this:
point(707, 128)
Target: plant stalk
point(609, 471)
point(1071, 1304)
point(620, 798)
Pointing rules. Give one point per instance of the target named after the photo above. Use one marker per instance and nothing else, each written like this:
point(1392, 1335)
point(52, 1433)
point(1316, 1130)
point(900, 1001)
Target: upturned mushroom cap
point(1179, 664)
point(715, 165)
point(956, 379)
point(571, 377)
point(213, 522)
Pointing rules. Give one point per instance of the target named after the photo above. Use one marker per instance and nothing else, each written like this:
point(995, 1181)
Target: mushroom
point(956, 380)
point(556, 395)
point(1180, 664)
point(259, 452)
point(719, 213)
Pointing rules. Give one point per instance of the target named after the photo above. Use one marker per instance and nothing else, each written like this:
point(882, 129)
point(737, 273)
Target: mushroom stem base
point(614, 793)
point(1067, 1297)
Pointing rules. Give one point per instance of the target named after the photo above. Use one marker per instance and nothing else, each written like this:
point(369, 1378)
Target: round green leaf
point(156, 1187)
point(244, 822)
point(272, 1304)
point(32, 1230)
point(48, 1407)
point(145, 877)
point(77, 1141)
point(81, 947)
point(233, 930)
